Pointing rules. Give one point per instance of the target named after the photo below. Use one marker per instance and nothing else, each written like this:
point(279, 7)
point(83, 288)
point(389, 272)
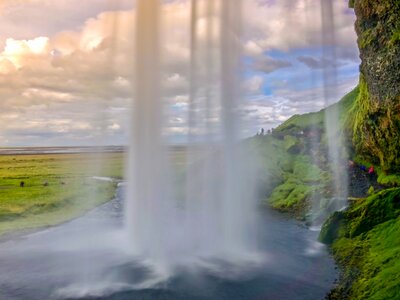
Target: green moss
point(360, 112)
point(371, 264)
point(389, 180)
point(367, 38)
point(375, 128)
point(371, 190)
point(376, 209)
point(366, 246)
point(332, 228)
point(395, 37)
point(379, 274)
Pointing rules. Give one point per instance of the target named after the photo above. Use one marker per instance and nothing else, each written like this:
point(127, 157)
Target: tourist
point(371, 170)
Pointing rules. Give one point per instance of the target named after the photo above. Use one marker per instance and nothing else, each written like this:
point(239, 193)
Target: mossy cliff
point(365, 238)
point(377, 109)
point(365, 242)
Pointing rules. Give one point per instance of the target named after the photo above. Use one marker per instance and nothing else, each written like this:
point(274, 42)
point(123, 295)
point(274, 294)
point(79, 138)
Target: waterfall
point(332, 117)
point(217, 214)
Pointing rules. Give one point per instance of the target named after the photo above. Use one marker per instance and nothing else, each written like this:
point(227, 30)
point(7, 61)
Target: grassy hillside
point(295, 155)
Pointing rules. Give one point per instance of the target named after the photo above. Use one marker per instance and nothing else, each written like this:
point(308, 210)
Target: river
point(85, 259)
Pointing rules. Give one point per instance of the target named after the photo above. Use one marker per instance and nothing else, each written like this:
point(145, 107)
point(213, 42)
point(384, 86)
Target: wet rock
point(331, 229)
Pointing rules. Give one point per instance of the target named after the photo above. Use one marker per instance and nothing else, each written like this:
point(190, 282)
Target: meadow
point(59, 187)
point(42, 190)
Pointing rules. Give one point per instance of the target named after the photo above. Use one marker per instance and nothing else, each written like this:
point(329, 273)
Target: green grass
point(301, 122)
point(58, 187)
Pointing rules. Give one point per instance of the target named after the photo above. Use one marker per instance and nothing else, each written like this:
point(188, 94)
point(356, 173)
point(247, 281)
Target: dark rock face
point(360, 182)
point(377, 121)
point(378, 29)
point(332, 227)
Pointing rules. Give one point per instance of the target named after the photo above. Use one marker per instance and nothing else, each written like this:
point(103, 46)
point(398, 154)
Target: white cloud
point(254, 84)
point(283, 26)
point(251, 48)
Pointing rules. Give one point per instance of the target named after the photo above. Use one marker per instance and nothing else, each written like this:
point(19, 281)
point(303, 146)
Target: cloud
point(318, 63)
point(268, 65)
point(66, 75)
point(253, 84)
point(285, 25)
point(251, 48)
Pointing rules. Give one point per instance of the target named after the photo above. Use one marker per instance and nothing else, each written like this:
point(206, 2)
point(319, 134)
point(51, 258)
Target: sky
point(66, 66)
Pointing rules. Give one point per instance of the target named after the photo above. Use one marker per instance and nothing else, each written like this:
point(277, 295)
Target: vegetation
point(365, 242)
point(375, 129)
point(290, 178)
point(44, 190)
point(295, 155)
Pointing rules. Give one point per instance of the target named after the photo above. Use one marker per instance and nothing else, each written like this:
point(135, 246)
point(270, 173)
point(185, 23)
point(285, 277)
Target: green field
point(57, 187)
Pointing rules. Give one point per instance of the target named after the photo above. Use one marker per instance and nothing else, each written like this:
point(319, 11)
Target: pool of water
point(87, 259)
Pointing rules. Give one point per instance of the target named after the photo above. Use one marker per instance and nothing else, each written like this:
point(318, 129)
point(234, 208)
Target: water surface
point(85, 259)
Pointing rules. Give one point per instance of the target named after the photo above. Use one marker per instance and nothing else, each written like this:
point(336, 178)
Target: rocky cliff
point(377, 115)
